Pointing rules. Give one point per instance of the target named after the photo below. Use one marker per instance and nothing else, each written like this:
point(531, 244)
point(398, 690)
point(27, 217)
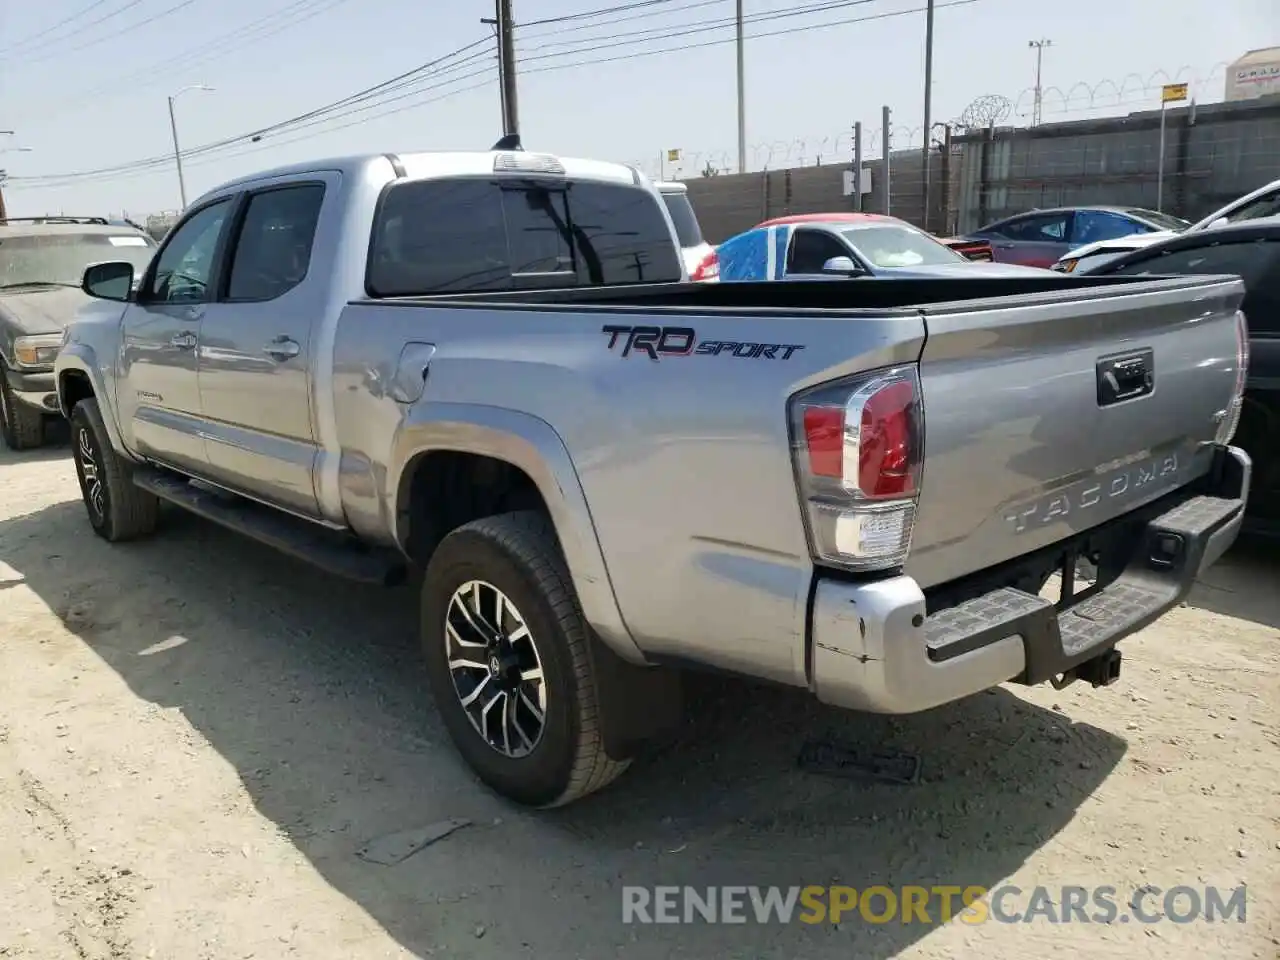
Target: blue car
point(847, 246)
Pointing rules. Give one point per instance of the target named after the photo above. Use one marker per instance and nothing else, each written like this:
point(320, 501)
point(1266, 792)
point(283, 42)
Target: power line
point(577, 27)
point(672, 31)
point(380, 90)
point(128, 28)
point(491, 71)
point(431, 69)
point(290, 15)
point(70, 18)
point(87, 26)
point(598, 12)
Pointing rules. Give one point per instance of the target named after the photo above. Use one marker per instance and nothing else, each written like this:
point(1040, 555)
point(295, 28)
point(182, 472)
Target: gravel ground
point(197, 736)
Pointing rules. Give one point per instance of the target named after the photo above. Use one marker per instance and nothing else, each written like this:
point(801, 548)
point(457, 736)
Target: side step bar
point(328, 551)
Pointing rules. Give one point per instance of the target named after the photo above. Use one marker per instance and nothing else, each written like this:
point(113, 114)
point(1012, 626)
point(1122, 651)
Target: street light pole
point(1037, 102)
point(177, 151)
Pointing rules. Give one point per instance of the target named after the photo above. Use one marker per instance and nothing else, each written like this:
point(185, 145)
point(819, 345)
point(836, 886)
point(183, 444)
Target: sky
point(84, 83)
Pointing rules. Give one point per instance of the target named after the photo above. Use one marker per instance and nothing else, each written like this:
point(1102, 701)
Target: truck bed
point(685, 457)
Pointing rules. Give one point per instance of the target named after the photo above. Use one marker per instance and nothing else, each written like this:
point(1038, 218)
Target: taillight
point(858, 450)
point(708, 269)
point(1227, 428)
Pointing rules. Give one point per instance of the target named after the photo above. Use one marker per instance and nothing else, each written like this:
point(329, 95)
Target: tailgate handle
point(1125, 377)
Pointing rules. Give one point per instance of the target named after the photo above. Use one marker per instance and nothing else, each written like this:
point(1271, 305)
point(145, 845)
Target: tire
point(22, 426)
point(117, 509)
point(517, 555)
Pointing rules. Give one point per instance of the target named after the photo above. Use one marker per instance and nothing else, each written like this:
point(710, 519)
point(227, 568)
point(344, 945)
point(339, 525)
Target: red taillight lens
point(885, 442)
point(858, 448)
point(707, 269)
point(824, 437)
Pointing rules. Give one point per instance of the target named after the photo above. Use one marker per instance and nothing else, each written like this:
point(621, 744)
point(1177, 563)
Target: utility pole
point(1037, 103)
point(3, 175)
point(742, 99)
point(177, 151)
point(507, 68)
point(928, 105)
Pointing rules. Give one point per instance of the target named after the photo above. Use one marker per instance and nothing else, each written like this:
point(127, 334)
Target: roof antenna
point(510, 142)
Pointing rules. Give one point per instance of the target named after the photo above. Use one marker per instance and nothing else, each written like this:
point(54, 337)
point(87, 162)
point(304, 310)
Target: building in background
point(158, 224)
point(1256, 74)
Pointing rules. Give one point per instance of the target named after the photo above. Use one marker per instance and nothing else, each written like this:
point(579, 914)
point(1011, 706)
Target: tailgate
point(1027, 441)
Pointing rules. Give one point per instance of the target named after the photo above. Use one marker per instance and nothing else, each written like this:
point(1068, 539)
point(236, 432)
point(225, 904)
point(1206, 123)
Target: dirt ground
point(197, 736)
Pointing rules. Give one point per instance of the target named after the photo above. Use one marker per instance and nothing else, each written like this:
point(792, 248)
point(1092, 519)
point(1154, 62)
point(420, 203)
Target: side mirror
point(844, 265)
point(1220, 222)
point(112, 280)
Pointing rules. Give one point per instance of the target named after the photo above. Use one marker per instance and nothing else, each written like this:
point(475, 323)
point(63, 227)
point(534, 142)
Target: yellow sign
point(1173, 93)
point(673, 156)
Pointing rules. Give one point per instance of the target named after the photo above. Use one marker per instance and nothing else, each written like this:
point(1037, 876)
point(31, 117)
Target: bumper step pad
point(1173, 548)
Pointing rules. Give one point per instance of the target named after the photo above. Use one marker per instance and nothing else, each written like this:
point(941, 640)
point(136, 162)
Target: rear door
point(1025, 444)
point(1036, 240)
point(255, 349)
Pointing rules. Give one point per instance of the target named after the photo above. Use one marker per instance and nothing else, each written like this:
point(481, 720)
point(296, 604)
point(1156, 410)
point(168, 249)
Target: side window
point(439, 236)
point(810, 249)
point(273, 249)
point(185, 264)
point(1267, 205)
point(1091, 226)
point(1050, 228)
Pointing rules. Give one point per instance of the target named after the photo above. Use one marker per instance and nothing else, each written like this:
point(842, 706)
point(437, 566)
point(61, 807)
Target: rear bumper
point(34, 389)
point(876, 649)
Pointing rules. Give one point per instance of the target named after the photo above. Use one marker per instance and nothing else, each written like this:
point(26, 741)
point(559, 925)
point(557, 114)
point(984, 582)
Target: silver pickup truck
point(489, 366)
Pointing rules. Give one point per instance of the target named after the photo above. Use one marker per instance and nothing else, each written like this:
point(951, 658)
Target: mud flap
point(637, 704)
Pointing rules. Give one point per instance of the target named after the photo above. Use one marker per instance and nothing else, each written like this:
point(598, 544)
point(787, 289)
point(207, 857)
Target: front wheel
point(118, 510)
point(509, 661)
point(22, 426)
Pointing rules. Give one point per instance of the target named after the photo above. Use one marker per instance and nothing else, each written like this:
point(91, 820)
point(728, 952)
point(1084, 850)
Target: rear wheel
point(509, 661)
point(21, 425)
point(118, 510)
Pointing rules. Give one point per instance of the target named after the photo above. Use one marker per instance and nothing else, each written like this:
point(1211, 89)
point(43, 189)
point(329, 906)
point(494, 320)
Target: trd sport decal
point(658, 342)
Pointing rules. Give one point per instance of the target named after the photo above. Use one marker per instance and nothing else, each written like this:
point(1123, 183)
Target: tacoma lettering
point(1084, 498)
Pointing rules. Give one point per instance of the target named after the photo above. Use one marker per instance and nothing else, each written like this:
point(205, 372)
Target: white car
point(699, 256)
point(1263, 202)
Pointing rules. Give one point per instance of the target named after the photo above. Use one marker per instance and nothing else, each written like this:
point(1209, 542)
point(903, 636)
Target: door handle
point(183, 341)
point(282, 348)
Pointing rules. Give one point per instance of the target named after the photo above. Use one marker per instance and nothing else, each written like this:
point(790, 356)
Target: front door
point(810, 249)
point(256, 351)
point(158, 394)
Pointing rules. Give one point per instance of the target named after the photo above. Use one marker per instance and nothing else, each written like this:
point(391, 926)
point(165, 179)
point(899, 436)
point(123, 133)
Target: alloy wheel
point(87, 457)
point(496, 669)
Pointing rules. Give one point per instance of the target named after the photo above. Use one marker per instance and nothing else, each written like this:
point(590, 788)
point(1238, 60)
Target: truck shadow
point(1242, 584)
point(312, 690)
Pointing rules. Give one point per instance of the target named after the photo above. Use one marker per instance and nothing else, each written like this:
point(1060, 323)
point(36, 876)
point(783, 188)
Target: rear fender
point(526, 442)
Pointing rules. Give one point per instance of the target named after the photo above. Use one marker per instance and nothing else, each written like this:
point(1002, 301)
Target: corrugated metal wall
point(1228, 150)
